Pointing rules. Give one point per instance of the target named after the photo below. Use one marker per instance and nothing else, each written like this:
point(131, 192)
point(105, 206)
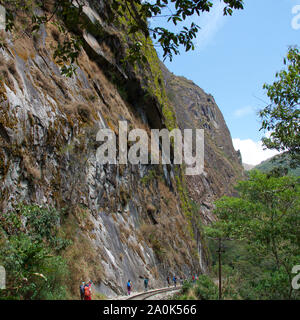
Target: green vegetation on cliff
point(30, 250)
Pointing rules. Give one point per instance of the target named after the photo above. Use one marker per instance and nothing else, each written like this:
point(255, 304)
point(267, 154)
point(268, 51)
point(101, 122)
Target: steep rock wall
point(125, 221)
point(222, 165)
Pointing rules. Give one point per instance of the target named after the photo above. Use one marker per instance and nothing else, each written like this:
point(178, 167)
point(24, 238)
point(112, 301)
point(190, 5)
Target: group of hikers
point(86, 288)
point(146, 282)
point(129, 285)
point(86, 291)
point(174, 279)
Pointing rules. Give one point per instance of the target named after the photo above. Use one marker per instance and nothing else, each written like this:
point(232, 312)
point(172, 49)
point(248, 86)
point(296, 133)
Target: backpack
point(87, 291)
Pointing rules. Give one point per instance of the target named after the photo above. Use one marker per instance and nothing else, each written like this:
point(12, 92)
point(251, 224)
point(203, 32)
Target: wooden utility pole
point(220, 251)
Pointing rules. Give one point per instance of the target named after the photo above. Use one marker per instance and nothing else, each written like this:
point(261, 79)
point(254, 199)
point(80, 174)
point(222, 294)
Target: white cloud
point(242, 112)
point(252, 152)
point(210, 24)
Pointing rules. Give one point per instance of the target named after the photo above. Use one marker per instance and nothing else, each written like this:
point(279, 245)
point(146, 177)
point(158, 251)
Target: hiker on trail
point(129, 287)
point(193, 278)
point(174, 280)
point(82, 291)
point(168, 281)
point(88, 291)
point(146, 280)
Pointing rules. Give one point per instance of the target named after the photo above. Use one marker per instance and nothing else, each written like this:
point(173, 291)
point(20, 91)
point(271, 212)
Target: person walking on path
point(81, 288)
point(168, 281)
point(88, 291)
point(146, 280)
point(129, 287)
point(175, 281)
point(181, 280)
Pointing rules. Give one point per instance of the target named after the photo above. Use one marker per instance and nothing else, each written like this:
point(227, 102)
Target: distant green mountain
point(281, 159)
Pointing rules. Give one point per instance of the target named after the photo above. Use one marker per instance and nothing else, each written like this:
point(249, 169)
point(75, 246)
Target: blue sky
point(234, 57)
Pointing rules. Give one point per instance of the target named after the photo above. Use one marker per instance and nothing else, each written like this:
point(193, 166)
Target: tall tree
point(282, 116)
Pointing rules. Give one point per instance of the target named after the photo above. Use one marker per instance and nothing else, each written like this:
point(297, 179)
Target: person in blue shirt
point(129, 287)
point(146, 280)
point(174, 280)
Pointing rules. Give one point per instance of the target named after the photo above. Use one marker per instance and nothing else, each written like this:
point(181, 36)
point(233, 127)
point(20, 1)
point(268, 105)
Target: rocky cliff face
point(197, 110)
point(125, 221)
